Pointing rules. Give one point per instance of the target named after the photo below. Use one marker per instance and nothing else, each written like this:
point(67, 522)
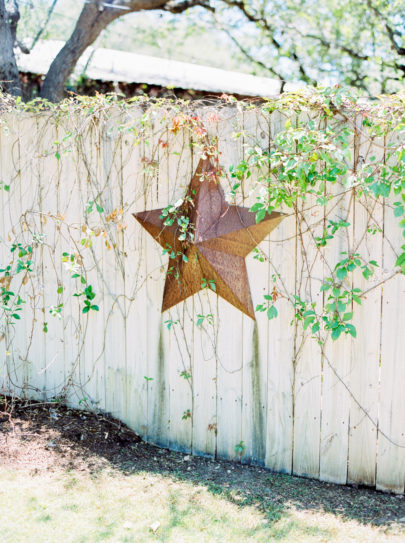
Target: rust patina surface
point(223, 235)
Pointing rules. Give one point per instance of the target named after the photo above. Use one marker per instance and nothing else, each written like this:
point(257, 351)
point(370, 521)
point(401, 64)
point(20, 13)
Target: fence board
point(204, 377)
point(178, 347)
point(51, 261)
point(308, 358)
point(279, 440)
point(391, 431)
point(230, 327)
point(135, 278)
point(364, 372)
point(336, 364)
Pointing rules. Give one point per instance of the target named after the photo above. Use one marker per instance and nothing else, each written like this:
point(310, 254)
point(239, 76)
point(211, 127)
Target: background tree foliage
point(358, 43)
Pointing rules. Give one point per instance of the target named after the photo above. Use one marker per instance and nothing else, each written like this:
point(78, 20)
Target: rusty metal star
point(214, 255)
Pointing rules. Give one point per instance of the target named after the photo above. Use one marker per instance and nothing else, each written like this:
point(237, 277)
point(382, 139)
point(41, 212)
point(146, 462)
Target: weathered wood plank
point(135, 276)
point(255, 128)
point(51, 273)
point(229, 320)
point(364, 371)
point(281, 338)
point(308, 357)
point(158, 371)
point(28, 347)
point(391, 424)
point(204, 375)
point(279, 441)
point(70, 209)
point(337, 357)
point(178, 343)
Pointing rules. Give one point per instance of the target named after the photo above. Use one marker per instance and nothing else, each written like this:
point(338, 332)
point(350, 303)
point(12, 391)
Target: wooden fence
point(228, 386)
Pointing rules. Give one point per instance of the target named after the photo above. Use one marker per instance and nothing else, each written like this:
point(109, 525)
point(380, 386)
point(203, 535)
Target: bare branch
point(262, 21)
point(246, 53)
point(390, 31)
point(96, 15)
point(332, 45)
point(179, 7)
point(45, 24)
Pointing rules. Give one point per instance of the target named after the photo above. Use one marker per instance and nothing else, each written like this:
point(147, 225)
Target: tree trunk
point(9, 77)
point(94, 17)
point(91, 22)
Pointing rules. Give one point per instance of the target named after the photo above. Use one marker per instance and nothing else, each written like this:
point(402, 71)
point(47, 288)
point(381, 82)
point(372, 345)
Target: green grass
point(112, 505)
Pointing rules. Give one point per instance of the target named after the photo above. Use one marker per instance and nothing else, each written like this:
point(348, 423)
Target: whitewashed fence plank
point(279, 439)
point(178, 341)
point(230, 327)
point(337, 356)
point(156, 263)
point(204, 376)
point(281, 336)
point(365, 363)
point(308, 359)
point(255, 129)
point(391, 427)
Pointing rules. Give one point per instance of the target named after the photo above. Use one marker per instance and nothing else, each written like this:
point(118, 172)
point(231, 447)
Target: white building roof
point(119, 66)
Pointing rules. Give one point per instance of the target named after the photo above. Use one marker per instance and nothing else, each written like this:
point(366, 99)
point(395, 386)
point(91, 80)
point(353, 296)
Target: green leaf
point(399, 210)
point(308, 321)
point(336, 333)
point(400, 260)
point(200, 320)
point(348, 316)
point(341, 273)
point(351, 330)
point(260, 215)
point(256, 207)
point(272, 312)
point(315, 327)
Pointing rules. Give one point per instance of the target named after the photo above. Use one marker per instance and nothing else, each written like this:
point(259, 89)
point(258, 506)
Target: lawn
point(71, 477)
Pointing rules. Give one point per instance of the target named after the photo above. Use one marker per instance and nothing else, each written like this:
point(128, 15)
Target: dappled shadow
point(51, 437)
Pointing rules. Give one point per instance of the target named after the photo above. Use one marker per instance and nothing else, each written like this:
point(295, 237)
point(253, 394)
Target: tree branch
point(45, 24)
point(332, 45)
point(95, 16)
point(179, 7)
point(261, 21)
point(252, 59)
point(390, 31)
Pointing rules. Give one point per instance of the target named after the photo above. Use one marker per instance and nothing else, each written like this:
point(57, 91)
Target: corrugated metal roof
point(120, 66)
